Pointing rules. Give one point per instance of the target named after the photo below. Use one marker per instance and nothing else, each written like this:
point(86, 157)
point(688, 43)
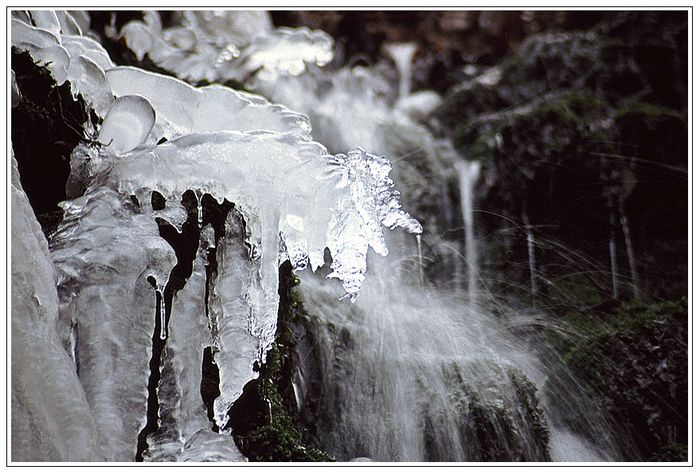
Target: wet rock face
point(485, 411)
point(265, 420)
point(578, 132)
point(500, 420)
point(47, 124)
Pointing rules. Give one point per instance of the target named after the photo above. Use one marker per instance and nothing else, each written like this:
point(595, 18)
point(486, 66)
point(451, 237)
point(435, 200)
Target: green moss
point(497, 413)
point(650, 113)
point(480, 149)
point(672, 452)
point(573, 108)
point(508, 429)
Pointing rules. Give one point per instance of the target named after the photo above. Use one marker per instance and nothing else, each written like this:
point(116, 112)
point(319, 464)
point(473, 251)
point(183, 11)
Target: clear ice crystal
point(182, 109)
point(127, 124)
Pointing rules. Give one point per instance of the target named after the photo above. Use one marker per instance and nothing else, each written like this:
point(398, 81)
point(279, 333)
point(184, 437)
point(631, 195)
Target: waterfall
point(402, 55)
point(531, 257)
point(468, 174)
point(400, 371)
point(421, 375)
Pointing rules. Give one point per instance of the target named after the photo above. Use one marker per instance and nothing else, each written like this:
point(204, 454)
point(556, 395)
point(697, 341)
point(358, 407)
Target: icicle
point(632, 262)
point(74, 344)
point(159, 294)
point(199, 194)
point(420, 259)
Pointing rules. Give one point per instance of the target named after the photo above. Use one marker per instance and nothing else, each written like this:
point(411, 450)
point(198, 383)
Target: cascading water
point(468, 174)
point(421, 375)
point(402, 55)
point(629, 249)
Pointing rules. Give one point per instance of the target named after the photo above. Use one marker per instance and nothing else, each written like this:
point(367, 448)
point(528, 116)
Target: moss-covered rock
point(583, 139)
point(633, 364)
point(499, 416)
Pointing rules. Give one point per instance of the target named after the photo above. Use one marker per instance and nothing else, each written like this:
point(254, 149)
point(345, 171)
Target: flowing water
point(468, 174)
point(406, 374)
point(410, 372)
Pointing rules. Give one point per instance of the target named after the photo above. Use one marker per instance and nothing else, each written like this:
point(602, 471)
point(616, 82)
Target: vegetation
point(634, 364)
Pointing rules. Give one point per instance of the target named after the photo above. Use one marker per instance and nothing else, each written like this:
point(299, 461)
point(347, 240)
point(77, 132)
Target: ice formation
point(51, 418)
point(127, 124)
point(115, 289)
point(104, 251)
point(226, 45)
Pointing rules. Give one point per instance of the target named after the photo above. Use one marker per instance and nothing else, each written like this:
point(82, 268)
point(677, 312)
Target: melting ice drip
point(161, 310)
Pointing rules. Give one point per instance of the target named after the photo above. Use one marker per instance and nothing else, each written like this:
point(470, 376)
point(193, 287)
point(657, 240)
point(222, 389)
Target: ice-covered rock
point(105, 250)
point(51, 418)
point(226, 45)
point(67, 55)
point(127, 124)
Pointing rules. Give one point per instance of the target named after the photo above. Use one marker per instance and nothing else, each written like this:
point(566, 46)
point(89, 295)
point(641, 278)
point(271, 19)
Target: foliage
point(578, 131)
